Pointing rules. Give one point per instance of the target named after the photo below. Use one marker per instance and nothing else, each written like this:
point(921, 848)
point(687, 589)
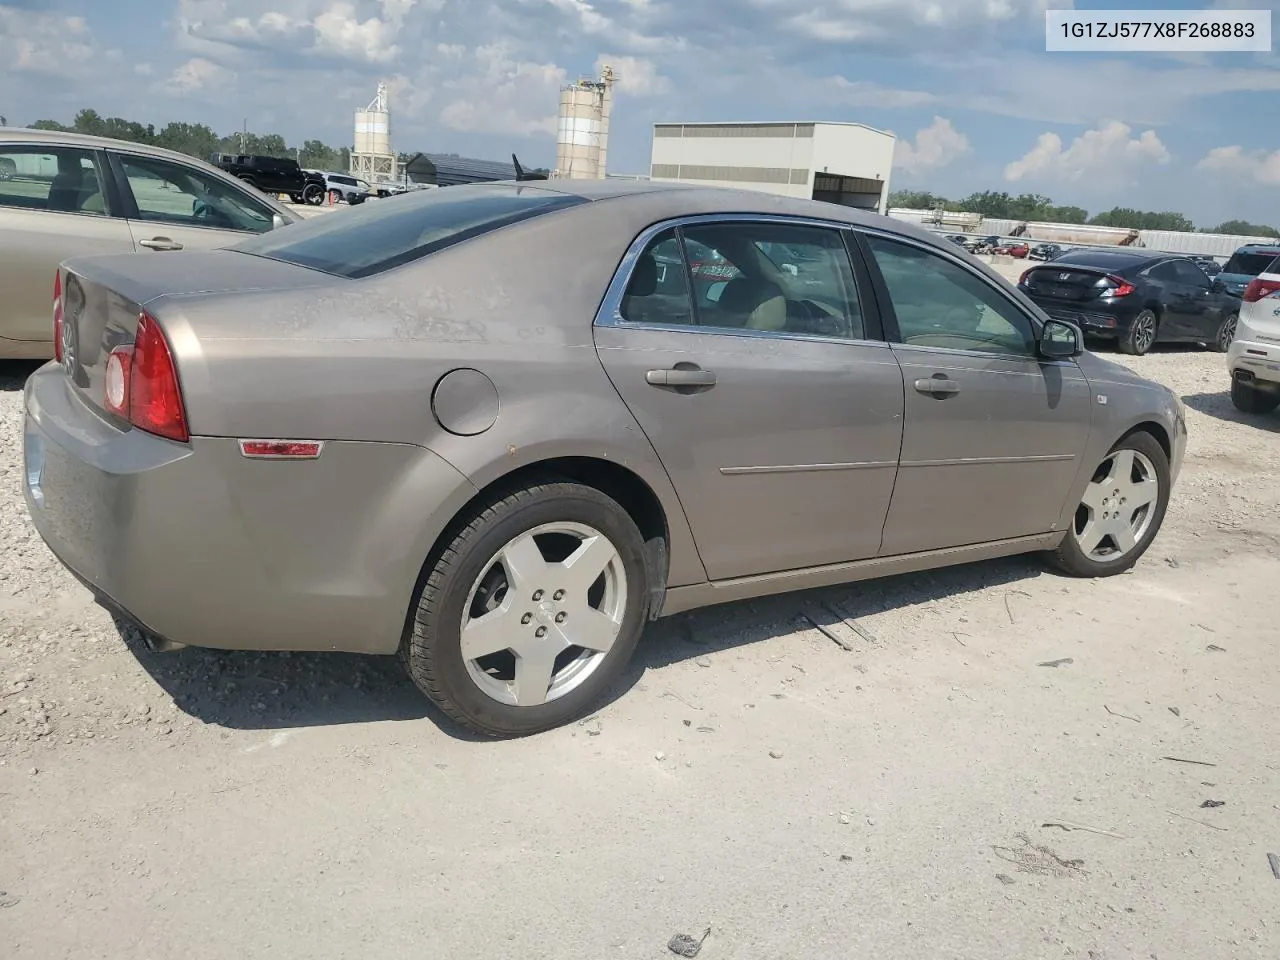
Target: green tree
point(915, 199)
point(1243, 228)
point(50, 125)
point(1142, 220)
point(193, 139)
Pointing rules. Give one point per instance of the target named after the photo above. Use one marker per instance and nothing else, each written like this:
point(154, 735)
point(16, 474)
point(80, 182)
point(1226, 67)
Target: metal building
point(845, 163)
point(373, 159)
point(582, 137)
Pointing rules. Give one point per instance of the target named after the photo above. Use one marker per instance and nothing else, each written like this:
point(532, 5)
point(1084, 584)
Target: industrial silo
point(373, 159)
point(582, 137)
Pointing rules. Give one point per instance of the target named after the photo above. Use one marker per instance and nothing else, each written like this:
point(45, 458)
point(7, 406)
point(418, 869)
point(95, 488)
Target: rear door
point(175, 206)
point(770, 396)
point(1178, 300)
point(1200, 311)
point(993, 435)
point(54, 204)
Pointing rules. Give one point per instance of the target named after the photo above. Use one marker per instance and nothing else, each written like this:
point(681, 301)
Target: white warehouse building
point(845, 163)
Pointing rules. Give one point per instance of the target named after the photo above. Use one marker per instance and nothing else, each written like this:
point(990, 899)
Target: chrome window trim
point(610, 314)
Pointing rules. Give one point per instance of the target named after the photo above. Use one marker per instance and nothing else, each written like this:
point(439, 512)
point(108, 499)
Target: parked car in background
point(274, 175)
point(1136, 298)
point(583, 464)
point(348, 188)
point(1254, 356)
point(1045, 251)
point(1209, 265)
point(1245, 264)
point(1013, 248)
point(70, 195)
point(958, 239)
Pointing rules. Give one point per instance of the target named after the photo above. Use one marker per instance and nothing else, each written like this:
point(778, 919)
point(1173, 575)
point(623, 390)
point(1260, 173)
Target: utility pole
point(244, 135)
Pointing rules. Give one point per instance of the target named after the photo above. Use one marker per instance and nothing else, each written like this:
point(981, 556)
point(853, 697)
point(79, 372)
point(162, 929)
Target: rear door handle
point(680, 377)
point(160, 243)
point(938, 386)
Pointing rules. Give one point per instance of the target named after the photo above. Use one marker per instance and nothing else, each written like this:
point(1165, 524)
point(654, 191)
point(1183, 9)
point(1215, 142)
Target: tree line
point(1036, 207)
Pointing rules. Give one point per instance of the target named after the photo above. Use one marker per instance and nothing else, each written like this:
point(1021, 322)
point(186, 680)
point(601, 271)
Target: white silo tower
point(582, 138)
point(373, 159)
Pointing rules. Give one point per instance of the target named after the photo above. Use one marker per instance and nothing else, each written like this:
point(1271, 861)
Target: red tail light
point(142, 384)
point(57, 315)
point(1122, 287)
point(1259, 289)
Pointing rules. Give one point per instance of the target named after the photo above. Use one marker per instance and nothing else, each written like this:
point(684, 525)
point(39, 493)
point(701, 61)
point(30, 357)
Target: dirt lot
point(940, 791)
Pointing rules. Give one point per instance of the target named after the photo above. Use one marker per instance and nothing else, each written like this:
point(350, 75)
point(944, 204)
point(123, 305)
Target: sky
point(966, 85)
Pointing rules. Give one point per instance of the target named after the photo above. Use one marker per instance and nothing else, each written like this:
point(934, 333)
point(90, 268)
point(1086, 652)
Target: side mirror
point(716, 290)
point(1060, 340)
point(277, 221)
point(1217, 286)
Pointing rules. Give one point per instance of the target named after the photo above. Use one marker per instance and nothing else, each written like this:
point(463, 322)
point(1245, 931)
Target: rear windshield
point(1249, 264)
point(387, 233)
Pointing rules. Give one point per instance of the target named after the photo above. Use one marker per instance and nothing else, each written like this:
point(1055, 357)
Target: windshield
point(1249, 264)
point(397, 230)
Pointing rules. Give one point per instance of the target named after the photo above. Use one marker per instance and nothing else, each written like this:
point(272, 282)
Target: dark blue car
point(1136, 298)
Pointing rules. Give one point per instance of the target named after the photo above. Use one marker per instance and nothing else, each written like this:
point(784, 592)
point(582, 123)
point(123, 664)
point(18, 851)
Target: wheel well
point(1160, 434)
point(631, 493)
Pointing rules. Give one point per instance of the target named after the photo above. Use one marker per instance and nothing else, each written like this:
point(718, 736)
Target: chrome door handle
point(160, 243)
point(678, 377)
point(938, 386)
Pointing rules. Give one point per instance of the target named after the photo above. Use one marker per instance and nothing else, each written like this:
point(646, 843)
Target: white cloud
point(1257, 165)
point(196, 74)
point(936, 146)
point(44, 43)
point(867, 93)
point(636, 75)
point(1108, 152)
point(895, 22)
point(509, 96)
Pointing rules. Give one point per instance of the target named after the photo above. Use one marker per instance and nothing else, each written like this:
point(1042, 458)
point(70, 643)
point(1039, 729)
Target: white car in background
point(1254, 355)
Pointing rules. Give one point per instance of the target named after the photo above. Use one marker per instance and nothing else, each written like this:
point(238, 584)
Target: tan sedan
point(68, 195)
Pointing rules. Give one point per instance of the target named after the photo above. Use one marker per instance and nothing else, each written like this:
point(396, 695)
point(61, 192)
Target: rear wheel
point(1226, 333)
point(1141, 335)
point(531, 611)
point(1120, 513)
point(1249, 399)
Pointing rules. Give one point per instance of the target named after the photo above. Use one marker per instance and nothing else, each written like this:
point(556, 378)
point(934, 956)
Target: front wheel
point(1120, 513)
point(1141, 335)
point(313, 194)
point(531, 611)
point(1249, 399)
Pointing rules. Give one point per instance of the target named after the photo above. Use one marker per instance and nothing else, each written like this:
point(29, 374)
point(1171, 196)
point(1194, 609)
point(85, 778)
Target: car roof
point(1110, 259)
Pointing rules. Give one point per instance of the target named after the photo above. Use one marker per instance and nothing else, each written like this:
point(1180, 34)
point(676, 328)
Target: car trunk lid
point(1067, 284)
point(103, 299)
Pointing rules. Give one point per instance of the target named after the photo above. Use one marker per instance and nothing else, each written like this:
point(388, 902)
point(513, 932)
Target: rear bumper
point(1094, 323)
point(1255, 362)
point(200, 546)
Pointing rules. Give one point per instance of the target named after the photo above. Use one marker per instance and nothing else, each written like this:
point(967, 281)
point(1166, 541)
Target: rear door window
point(53, 179)
point(379, 236)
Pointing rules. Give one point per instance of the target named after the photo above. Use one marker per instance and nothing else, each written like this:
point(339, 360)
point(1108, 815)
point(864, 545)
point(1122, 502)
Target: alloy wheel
point(1118, 507)
point(1228, 332)
point(544, 613)
point(1144, 331)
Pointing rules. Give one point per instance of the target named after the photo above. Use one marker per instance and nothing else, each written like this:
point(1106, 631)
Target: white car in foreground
point(1254, 355)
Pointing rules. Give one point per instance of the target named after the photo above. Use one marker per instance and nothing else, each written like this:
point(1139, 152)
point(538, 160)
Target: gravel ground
point(941, 790)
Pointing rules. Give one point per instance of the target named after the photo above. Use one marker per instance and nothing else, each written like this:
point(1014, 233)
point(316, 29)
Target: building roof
point(773, 123)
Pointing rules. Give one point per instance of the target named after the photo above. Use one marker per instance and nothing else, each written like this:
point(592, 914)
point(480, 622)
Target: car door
point(173, 205)
point(54, 204)
point(769, 394)
point(1201, 314)
point(1174, 297)
point(993, 435)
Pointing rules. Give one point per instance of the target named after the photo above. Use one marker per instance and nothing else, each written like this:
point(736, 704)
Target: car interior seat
point(643, 284)
point(754, 303)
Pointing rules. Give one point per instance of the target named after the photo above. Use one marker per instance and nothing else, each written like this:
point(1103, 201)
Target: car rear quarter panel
point(358, 360)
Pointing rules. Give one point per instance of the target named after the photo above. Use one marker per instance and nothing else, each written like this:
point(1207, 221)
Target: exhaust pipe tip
point(161, 645)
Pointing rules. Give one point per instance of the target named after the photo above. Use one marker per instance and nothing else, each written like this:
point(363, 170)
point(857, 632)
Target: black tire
point(432, 651)
point(1249, 399)
point(1142, 334)
point(1070, 559)
point(313, 194)
point(295, 198)
point(1226, 333)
